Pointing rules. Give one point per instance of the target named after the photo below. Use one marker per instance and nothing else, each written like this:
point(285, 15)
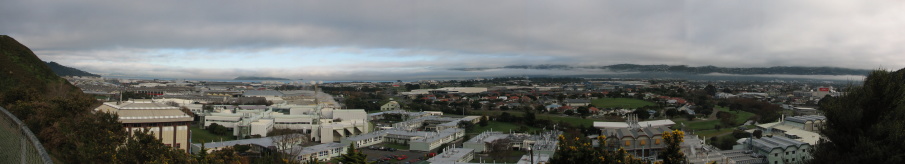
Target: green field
point(742, 115)
point(705, 127)
point(201, 136)
point(621, 103)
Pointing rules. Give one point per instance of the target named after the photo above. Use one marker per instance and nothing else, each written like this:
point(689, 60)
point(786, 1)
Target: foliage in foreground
point(866, 125)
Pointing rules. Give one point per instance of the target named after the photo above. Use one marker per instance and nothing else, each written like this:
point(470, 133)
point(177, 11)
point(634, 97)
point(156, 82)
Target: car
point(391, 149)
point(372, 147)
point(382, 148)
point(401, 157)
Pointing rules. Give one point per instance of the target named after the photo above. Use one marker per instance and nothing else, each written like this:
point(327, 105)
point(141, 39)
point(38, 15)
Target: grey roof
point(769, 143)
point(265, 142)
point(263, 93)
point(803, 119)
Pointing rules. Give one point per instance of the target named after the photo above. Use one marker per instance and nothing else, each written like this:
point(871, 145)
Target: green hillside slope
point(21, 69)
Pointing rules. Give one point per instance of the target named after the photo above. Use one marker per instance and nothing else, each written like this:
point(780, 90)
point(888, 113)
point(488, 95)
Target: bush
point(217, 129)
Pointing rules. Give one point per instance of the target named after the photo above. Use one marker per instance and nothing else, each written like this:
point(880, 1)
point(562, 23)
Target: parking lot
point(382, 155)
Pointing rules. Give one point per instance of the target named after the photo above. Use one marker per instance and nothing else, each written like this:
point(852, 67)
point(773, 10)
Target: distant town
point(505, 119)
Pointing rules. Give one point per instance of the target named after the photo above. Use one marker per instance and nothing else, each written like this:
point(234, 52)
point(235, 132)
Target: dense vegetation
point(866, 125)
point(62, 70)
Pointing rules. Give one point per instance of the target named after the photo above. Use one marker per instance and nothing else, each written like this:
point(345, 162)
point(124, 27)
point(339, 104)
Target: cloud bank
point(386, 40)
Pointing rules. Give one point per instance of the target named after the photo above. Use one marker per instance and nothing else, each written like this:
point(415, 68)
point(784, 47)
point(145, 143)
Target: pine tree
point(867, 124)
point(353, 156)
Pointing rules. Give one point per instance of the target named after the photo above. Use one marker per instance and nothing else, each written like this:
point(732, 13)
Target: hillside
point(21, 69)
point(62, 70)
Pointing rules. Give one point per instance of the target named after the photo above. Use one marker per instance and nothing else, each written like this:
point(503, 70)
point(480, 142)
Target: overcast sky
point(387, 39)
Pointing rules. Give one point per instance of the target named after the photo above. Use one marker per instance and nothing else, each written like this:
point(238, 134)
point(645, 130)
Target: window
point(642, 142)
point(178, 145)
point(628, 143)
point(657, 141)
point(776, 154)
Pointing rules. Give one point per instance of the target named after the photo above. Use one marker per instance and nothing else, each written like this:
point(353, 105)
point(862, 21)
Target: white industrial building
point(800, 128)
point(320, 121)
point(440, 130)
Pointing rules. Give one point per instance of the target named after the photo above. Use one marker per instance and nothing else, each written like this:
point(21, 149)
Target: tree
point(583, 111)
point(569, 112)
point(530, 118)
point(484, 121)
point(673, 153)
point(758, 133)
point(642, 114)
point(671, 112)
point(710, 89)
point(353, 156)
point(578, 150)
point(142, 147)
point(217, 129)
point(867, 124)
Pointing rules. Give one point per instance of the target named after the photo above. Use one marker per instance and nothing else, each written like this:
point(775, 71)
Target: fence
point(17, 143)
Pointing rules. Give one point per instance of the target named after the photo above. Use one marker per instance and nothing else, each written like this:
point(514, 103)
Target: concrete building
point(544, 143)
point(800, 128)
point(779, 149)
point(453, 155)
point(167, 123)
point(318, 119)
point(321, 152)
point(438, 130)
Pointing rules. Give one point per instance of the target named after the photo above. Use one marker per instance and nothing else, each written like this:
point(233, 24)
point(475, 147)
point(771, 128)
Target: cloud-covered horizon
point(396, 39)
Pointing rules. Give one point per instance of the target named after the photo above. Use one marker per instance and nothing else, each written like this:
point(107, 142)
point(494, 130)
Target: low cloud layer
point(400, 39)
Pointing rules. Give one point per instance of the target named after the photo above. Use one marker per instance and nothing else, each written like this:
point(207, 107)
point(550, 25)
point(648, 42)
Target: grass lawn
point(705, 127)
point(742, 116)
point(621, 103)
point(201, 136)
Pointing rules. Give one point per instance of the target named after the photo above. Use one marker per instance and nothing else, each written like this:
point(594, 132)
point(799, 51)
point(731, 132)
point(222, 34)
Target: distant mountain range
point(62, 70)
point(258, 78)
point(794, 70)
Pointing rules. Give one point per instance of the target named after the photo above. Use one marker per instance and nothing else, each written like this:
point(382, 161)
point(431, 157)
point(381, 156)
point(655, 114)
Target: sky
point(411, 39)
